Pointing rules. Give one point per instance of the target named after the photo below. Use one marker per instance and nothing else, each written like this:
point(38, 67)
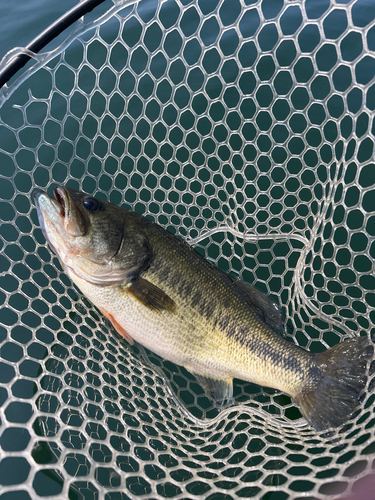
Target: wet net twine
point(247, 129)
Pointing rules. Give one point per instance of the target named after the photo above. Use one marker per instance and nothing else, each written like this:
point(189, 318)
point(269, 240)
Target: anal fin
point(220, 390)
point(119, 329)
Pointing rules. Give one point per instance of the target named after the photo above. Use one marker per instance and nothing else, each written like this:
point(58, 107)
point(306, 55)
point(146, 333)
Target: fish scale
point(233, 337)
point(159, 292)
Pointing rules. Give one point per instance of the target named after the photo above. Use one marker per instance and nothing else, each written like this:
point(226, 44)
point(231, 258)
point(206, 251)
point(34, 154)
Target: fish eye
point(91, 204)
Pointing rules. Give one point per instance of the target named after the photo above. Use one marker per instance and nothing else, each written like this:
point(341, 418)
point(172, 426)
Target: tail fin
point(334, 395)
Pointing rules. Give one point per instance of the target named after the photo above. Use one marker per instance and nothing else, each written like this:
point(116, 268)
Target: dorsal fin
point(266, 308)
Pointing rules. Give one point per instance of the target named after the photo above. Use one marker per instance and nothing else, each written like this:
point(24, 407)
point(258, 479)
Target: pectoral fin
point(221, 390)
point(150, 295)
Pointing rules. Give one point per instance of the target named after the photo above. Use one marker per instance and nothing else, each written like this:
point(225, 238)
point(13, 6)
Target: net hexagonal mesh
point(247, 128)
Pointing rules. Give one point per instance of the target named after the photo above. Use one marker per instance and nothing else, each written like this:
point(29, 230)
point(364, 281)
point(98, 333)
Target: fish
point(156, 290)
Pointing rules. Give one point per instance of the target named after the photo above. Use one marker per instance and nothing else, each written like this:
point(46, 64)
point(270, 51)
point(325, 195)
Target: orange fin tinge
point(119, 329)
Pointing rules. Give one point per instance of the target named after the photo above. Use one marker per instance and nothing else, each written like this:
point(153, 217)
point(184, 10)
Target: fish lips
point(47, 209)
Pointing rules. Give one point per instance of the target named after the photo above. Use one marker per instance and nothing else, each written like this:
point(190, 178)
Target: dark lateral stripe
point(277, 353)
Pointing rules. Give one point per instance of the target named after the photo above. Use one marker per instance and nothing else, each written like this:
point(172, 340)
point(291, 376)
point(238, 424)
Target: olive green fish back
point(247, 128)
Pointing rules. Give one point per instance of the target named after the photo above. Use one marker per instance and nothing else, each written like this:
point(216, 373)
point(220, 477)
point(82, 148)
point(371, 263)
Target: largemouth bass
point(156, 290)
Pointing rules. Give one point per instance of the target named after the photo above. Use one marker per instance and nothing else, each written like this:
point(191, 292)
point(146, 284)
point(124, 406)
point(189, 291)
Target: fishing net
point(247, 128)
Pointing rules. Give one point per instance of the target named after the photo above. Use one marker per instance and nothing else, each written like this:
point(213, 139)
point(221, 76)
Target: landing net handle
point(46, 36)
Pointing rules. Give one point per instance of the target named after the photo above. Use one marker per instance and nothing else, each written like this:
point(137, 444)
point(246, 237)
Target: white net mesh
point(247, 127)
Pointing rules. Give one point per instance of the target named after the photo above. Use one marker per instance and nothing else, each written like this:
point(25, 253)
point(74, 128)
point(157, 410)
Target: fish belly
point(167, 335)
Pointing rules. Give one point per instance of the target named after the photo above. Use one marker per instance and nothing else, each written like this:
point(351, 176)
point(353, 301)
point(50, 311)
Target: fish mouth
point(40, 198)
point(45, 204)
point(48, 210)
point(62, 200)
point(59, 213)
